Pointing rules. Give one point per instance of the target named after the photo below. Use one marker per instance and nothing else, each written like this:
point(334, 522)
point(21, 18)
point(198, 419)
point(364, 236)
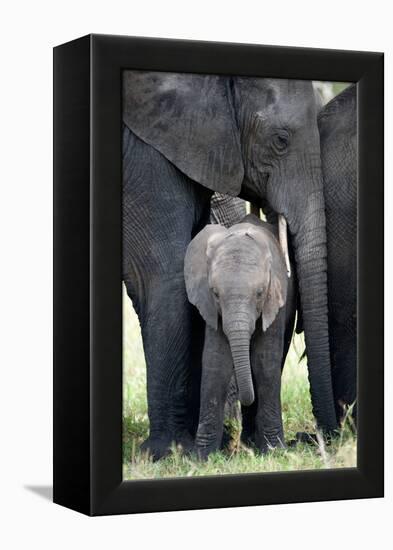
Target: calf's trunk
point(239, 341)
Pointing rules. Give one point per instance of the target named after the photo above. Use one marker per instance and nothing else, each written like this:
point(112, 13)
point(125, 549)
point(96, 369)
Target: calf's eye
point(215, 292)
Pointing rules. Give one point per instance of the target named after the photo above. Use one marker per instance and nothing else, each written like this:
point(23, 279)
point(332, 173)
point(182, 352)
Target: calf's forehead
point(237, 257)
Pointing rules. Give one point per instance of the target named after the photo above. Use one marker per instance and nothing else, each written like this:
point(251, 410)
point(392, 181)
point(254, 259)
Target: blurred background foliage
point(328, 90)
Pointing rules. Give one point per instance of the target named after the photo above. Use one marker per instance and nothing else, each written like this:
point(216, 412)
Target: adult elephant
point(188, 135)
point(226, 210)
point(338, 131)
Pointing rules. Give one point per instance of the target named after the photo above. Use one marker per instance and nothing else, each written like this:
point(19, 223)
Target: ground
point(297, 416)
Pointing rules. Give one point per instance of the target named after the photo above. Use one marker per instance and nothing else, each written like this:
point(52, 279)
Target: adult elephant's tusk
point(283, 239)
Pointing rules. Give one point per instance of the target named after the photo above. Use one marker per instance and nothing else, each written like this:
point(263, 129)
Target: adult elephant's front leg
point(166, 332)
point(162, 209)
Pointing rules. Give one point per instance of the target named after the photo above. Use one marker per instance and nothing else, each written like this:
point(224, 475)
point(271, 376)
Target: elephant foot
point(156, 447)
point(312, 438)
point(248, 438)
point(202, 453)
point(266, 446)
point(203, 448)
point(185, 442)
point(308, 438)
point(304, 437)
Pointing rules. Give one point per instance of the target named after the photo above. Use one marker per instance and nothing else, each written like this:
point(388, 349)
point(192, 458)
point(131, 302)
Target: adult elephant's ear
point(196, 273)
point(190, 119)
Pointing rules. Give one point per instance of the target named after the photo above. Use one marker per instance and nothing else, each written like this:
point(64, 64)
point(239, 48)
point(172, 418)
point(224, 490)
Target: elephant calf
point(238, 280)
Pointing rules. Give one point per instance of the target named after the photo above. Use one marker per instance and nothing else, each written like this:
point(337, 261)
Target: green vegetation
point(338, 87)
point(297, 417)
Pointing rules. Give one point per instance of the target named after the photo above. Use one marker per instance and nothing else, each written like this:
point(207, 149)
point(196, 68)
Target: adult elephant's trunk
point(239, 341)
point(311, 261)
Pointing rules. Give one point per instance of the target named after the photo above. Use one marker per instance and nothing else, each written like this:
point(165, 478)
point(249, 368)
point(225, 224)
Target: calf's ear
point(196, 273)
point(275, 299)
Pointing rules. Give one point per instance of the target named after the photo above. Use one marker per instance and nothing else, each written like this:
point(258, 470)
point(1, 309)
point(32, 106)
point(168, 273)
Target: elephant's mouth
point(255, 184)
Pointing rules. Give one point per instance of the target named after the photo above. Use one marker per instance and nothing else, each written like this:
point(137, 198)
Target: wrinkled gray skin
point(238, 281)
point(185, 136)
point(338, 131)
point(226, 210)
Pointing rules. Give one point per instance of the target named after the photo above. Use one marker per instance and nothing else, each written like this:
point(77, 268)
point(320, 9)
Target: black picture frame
point(87, 275)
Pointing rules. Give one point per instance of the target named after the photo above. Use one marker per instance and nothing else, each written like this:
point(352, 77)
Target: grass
point(297, 416)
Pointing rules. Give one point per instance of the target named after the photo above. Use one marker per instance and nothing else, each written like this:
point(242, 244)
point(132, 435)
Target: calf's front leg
point(217, 368)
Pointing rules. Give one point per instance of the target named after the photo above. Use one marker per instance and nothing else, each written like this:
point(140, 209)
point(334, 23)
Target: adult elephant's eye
point(259, 293)
point(281, 141)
